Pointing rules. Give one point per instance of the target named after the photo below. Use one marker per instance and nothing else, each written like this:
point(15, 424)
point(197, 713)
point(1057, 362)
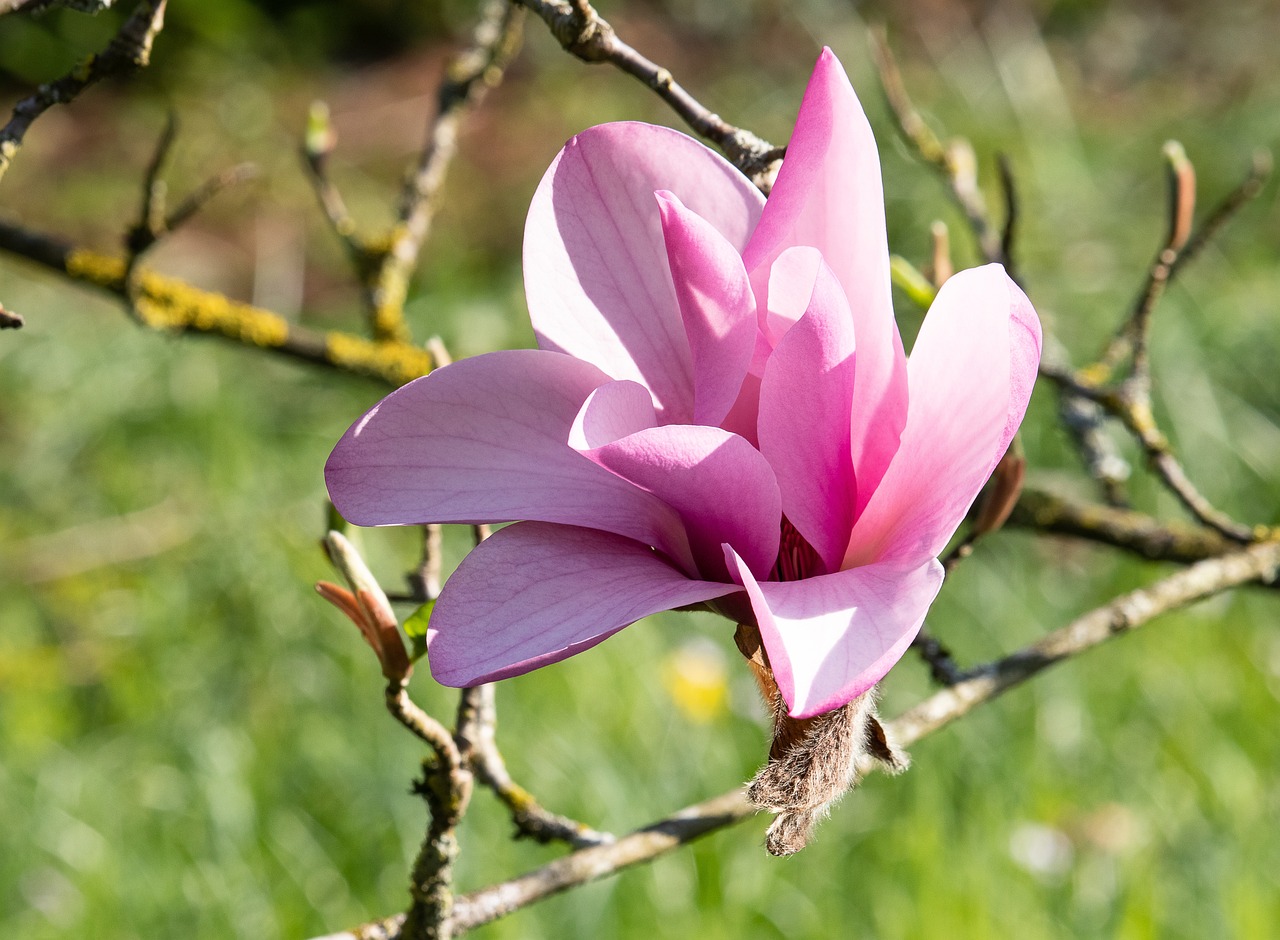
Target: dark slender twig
point(154, 221)
point(1008, 231)
point(10, 320)
point(130, 49)
point(583, 33)
point(943, 668)
point(318, 143)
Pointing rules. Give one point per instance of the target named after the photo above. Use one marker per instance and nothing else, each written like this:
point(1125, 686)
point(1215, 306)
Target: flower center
point(797, 559)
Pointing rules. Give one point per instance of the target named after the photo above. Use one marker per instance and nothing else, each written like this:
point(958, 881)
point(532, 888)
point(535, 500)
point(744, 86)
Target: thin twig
point(942, 665)
point(585, 34)
point(476, 735)
point(1008, 231)
point(955, 162)
point(154, 221)
point(426, 728)
point(1135, 413)
point(129, 49)
point(10, 320)
point(318, 143)
point(1259, 172)
point(469, 77)
point(477, 740)
point(1181, 245)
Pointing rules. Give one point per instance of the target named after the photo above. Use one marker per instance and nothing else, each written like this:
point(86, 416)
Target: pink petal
point(485, 440)
point(791, 279)
point(614, 410)
point(744, 416)
point(720, 485)
point(717, 306)
point(831, 638)
point(805, 399)
point(828, 196)
point(595, 261)
point(971, 373)
point(535, 593)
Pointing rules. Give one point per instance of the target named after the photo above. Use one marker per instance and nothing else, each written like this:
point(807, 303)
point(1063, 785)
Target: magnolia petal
point(828, 195)
point(743, 418)
point(613, 410)
point(805, 399)
point(833, 637)
point(791, 279)
point(595, 261)
point(535, 593)
point(721, 486)
point(716, 304)
point(484, 440)
point(971, 374)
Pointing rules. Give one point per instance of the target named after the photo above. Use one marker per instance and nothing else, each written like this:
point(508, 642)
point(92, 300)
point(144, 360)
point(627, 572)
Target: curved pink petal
point(831, 638)
point(716, 304)
point(971, 373)
point(595, 261)
point(791, 279)
point(805, 399)
point(485, 440)
point(720, 485)
point(743, 418)
point(613, 410)
point(534, 594)
point(828, 196)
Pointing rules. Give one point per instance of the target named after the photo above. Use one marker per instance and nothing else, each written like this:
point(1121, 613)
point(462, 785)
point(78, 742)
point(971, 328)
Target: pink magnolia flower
point(719, 411)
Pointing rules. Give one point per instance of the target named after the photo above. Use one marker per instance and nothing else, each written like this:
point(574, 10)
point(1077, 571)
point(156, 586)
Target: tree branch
point(1133, 531)
point(585, 34)
point(130, 49)
point(171, 305)
point(468, 79)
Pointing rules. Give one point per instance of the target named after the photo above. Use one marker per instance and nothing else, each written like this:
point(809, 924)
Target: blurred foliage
point(193, 744)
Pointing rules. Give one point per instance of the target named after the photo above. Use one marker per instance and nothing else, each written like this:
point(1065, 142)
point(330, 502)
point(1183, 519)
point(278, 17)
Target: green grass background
point(192, 744)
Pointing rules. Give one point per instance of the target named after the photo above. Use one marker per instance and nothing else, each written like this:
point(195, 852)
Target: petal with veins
point(534, 594)
point(485, 440)
point(595, 261)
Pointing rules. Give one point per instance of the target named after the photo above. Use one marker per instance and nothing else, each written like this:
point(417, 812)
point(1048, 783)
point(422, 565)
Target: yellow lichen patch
point(82, 71)
point(397, 362)
point(166, 303)
point(1095, 375)
point(96, 268)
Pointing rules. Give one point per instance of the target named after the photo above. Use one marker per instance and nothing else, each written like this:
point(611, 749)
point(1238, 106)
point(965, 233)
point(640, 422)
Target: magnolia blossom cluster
point(719, 412)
